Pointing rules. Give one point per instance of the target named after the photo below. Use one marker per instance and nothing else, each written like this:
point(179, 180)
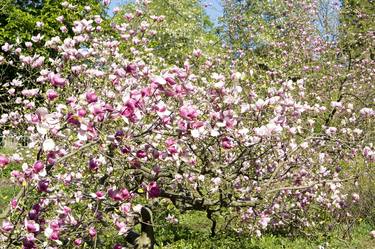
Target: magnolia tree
point(112, 130)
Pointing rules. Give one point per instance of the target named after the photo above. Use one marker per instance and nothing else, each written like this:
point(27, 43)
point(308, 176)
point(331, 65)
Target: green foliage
point(18, 18)
point(361, 210)
point(186, 27)
point(18, 24)
point(357, 23)
point(7, 191)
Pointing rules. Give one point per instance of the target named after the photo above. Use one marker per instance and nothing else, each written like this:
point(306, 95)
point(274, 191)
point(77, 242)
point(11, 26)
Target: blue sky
point(213, 8)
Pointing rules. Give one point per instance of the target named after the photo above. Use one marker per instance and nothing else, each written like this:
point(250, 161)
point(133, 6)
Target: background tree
point(186, 27)
point(21, 23)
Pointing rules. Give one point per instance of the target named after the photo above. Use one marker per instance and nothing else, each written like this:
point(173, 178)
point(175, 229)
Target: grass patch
point(7, 189)
point(194, 229)
point(7, 192)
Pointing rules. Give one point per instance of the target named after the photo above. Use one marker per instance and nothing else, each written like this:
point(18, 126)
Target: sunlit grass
point(193, 232)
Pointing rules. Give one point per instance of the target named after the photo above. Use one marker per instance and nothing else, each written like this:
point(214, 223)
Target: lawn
point(193, 232)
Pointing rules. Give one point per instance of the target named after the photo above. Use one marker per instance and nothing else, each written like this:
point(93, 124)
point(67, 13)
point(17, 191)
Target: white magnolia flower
point(49, 145)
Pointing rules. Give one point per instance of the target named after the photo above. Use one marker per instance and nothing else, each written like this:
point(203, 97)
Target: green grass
point(193, 232)
point(7, 189)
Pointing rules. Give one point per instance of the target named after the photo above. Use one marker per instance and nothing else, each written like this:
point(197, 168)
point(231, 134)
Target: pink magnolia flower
point(93, 164)
point(106, 2)
point(51, 233)
point(171, 219)
point(4, 161)
point(119, 195)
point(37, 38)
point(92, 232)
point(129, 108)
point(126, 149)
point(28, 44)
point(52, 94)
point(38, 62)
point(264, 220)
point(7, 226)
point(227, 143)
point(6, 47)
point(118, 246)
point(188, 112)
point(29, 242)
point(116, 10)
point(56, 80)
point(39, 24)
point(91, 97)
point(268, 130)
point(60, 19)
point(64, 29)
point(141, 154)
point(197, 53)
point(78, 242)
point(121, 227)
point(125, 194)
point(98, 195)
point(173, 149)
point(14, 203)
point(131, 68)
point(355, 197)
point(153, 190)
point(31, 226)
point(81, 112)
point(170, 79)
point(43, 186)
point(125, 208)
point(129, 16)
point(159, 80)
point(38, 166)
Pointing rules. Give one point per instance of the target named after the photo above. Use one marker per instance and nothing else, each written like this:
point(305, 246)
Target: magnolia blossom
point(52, 94)
point(159, 80)
point(37, 38)
point(38, 166)
point(153, 190)
point(49, 145)
point(268, 130)
point(60, 19)
point(56, 80)
point(6, 47)
point(92, 231)
point(264, 220)
point(171, 219)
point(4, 161)
point(91, 97)
point(31, 226)
point(188, 112)
point(7, 226)
point(197, 52)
